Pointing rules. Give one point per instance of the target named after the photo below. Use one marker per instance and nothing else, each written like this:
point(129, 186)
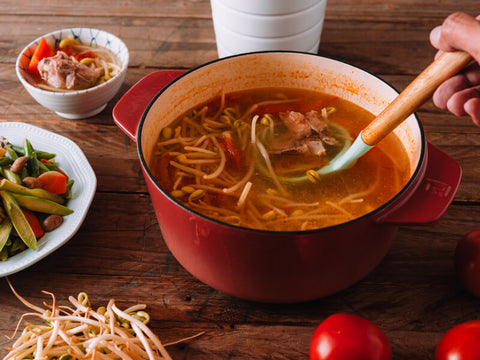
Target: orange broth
point(189, 153)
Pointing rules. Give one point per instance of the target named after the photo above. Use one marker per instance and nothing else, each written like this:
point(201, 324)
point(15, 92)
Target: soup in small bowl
point(231, 151)
point(75, 71)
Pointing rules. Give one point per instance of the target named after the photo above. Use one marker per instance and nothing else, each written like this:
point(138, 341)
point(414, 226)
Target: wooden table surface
point(119, 252)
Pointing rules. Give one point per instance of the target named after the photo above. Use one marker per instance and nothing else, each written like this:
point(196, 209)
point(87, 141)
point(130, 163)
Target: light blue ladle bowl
point(405, 104)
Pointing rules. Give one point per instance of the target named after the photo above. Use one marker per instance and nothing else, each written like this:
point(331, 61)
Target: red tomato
point(460, 343)
point(467, 261)
point(68, 50)
point(349, 337)
point(233, 152)
point(84, 55)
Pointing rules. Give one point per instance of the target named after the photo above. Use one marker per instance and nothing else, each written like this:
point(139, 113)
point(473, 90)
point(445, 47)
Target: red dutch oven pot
point(282, 267)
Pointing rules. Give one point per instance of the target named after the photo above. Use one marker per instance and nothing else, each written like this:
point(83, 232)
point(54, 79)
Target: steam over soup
point(249, 159)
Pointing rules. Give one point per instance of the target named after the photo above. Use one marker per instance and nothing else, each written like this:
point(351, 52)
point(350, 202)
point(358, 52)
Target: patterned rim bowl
point(76, 104)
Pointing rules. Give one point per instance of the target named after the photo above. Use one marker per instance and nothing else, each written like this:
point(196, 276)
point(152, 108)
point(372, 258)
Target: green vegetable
point(17, 245)
point(18, 220)
point(34, 203)
point(42, 167)
point(5, 161)
point(12, 176)
point(7, 185)
point(33, 167)
point(11, 152)
point(5, 230)
point(23, 204)
point(40, 154)
point(68, 193)
point(45, 166)
point(4, 254)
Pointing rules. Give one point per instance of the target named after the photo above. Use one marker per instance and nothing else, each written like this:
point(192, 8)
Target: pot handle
point(129, 109)
point(432, 197)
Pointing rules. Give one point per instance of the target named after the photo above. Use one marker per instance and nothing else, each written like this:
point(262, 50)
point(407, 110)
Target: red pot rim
point(413, 179)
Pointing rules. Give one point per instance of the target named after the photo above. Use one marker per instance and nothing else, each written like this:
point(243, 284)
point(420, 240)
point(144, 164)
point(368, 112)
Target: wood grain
point(119, 251)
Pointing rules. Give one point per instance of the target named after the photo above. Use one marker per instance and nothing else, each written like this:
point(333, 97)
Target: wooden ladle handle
point(414, 95)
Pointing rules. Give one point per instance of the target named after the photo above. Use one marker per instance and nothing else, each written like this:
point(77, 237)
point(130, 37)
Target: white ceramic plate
point(70, 159)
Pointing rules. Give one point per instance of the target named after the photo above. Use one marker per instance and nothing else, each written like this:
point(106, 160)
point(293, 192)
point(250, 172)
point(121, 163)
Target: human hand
point(461, 93)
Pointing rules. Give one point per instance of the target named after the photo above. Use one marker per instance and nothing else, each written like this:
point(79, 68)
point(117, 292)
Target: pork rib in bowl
point(69, 95)
point(288, 265)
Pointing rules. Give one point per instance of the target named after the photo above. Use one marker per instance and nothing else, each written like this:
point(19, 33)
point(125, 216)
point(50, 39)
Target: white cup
point(243, 26)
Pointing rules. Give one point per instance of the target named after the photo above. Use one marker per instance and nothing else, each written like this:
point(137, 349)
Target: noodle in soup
point(249, 159)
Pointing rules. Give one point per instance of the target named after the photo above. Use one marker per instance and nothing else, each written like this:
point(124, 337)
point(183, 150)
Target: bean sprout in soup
point(250, 159)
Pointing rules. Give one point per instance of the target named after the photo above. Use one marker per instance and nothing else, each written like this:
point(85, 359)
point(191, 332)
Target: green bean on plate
point(34, 192)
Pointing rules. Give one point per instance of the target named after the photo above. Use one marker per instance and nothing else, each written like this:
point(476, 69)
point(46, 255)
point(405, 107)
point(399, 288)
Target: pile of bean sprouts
point(79, 332)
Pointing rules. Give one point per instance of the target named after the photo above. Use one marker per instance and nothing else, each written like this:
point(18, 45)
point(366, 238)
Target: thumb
point(459, 31)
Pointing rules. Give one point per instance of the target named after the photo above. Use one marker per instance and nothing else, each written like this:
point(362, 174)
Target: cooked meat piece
point(32, 182)
point(19, 163)
point(287, 144)
point(320, 126)
point(4, 142)
point(316, 147)
point(327, 138)
point(64, 72)
point(308, 133)
point(296, 123)
point(316, 121)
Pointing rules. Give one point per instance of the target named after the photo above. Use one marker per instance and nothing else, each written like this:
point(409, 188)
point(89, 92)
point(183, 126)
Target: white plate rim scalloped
point(73, 161)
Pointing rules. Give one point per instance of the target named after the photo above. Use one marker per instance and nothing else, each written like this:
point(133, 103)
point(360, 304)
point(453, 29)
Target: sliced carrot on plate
point(54, 182)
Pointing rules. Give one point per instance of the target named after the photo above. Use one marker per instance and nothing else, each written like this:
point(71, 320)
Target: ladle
point(405, 104)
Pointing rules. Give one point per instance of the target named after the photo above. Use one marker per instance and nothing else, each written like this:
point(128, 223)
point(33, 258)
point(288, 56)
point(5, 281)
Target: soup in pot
point(250, 159)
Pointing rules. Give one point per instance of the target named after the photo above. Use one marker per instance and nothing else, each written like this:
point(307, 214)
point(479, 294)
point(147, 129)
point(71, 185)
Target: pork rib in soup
point(250, 158)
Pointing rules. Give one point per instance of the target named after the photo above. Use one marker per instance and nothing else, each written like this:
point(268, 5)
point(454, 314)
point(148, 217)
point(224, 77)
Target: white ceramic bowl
point(259, 25)
point(82, 103)
point(223, 52)
point(269, 7)
point(71, 159)
point(235, 43)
